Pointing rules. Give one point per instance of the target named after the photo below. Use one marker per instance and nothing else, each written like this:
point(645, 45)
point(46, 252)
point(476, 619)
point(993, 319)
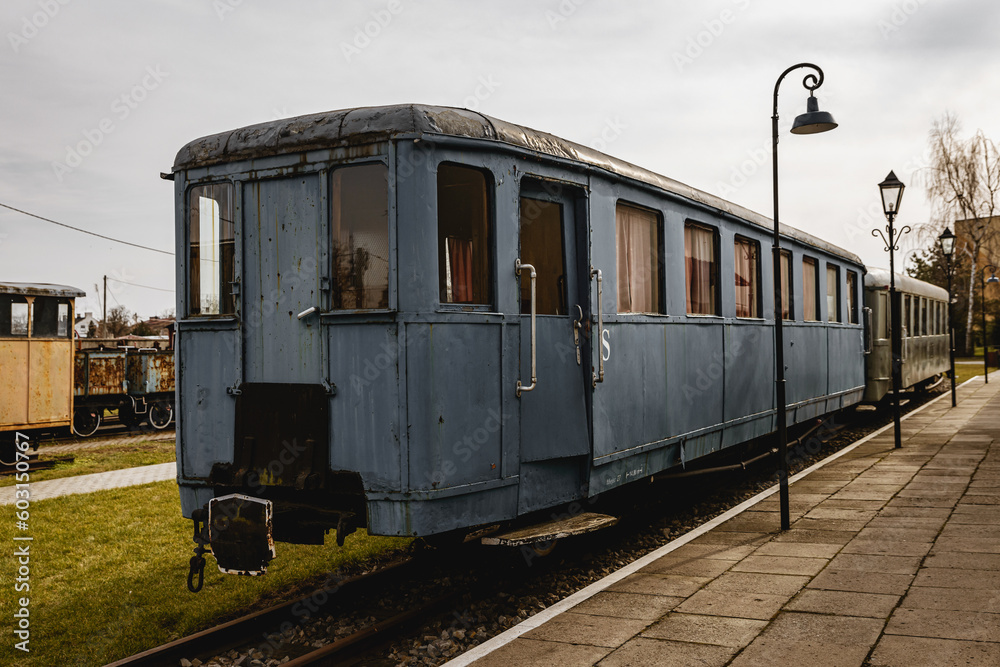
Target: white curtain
point(637, 260)
point(699, 266)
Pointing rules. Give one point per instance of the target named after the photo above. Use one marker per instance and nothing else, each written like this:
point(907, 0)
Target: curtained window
point(907, 329)
point(211, 267)
point(701, 268)
point(786, 286)
point(464, 235)
point(852, 297)
point(359, 227)
point(747, 262)
point(638, 260)
point(833, 293)
point(810, 289)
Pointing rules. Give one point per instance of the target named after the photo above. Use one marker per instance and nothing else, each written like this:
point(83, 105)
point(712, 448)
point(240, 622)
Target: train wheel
point(86, 421)
point(545, 548)
point(160, 415)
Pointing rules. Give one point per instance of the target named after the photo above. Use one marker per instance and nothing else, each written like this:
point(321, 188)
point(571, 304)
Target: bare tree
point(963, 184)
point(118, 322)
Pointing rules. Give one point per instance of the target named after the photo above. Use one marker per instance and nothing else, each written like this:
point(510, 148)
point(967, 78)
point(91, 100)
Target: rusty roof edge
point(40, 289)
point(426, 119)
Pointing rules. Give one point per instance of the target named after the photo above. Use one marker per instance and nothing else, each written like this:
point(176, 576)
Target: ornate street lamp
point(983, 281)
point(811, 122)
point(892, 196)
point(947, 240)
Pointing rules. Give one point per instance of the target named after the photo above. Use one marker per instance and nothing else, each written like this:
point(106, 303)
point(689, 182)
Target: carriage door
point(281, 245)
point(282, 402)
point(554, 433)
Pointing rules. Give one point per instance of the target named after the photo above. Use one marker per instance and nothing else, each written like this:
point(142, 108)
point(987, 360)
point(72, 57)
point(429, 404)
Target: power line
point(125, 282)
point(84, 231)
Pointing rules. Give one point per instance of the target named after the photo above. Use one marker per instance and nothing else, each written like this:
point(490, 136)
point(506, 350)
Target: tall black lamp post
point(983, 281)
point(892, 196)
point(811, 122)
point(947, 240)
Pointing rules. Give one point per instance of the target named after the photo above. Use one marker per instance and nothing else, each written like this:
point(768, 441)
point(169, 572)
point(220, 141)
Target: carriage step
point(552, 530)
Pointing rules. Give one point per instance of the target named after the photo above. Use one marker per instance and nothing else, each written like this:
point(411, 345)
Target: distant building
point(82, 324)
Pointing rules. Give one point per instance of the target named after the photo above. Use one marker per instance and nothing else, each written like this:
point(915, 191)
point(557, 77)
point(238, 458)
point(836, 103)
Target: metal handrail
point(599, 377)
point(533, 277)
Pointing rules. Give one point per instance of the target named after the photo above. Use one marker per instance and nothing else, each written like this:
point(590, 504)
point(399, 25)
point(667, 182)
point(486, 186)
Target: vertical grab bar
point(599, 377)
point(532, 276)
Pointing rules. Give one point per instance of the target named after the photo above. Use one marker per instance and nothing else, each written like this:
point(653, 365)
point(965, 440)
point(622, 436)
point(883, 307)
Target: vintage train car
point(36, 355)
point(138, 384)
point(417, 319)
point(924, 328)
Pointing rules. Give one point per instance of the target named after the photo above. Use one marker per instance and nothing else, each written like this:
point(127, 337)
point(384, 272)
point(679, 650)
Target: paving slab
point(114, 479)
point(893, 558)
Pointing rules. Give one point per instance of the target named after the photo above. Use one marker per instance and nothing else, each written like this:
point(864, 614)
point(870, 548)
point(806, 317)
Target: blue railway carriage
point(924, 329)
point(416, 320)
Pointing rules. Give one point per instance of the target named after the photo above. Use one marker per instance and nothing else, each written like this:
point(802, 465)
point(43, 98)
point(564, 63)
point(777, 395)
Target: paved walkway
point(893, 558)
point(98, 481)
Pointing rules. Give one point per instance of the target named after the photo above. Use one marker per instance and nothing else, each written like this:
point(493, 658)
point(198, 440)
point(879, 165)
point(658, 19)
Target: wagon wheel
point(86, 421)
point(542, 549)
point(160, 415)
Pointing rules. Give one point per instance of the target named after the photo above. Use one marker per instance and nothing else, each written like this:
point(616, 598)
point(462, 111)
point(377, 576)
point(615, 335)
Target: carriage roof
point(366, 125)
point(40, 289)
point(879, 279)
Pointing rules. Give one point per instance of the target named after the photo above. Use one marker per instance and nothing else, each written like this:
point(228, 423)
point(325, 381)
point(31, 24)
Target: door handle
point(518, 266)
point(577, 326)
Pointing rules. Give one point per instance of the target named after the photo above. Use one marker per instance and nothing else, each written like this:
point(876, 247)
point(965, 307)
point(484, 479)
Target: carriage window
point(881, 315)
point(786, 286)
point(747, 260)
point(542, 247)
point(810, 289)
point(702, 267)
point(49, 318)
point(13, 316)
point(464, 243)
point(211, 268)
point(832, 293)
point(907, 329)
point(637, 237)
point(852, 297)
point(359, 227)
point(924, 330)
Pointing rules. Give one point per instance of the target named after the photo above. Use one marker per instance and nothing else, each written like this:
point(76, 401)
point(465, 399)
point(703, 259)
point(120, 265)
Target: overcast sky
point(99, 96)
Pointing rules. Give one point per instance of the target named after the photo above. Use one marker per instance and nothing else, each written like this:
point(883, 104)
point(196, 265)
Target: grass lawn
point(110, 457)
point(964, 372)
point(108, 576)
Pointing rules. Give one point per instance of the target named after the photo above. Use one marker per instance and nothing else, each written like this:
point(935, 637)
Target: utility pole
point(104, 304)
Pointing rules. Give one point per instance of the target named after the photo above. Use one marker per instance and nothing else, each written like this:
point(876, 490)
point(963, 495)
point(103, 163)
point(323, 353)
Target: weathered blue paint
point(422, 403)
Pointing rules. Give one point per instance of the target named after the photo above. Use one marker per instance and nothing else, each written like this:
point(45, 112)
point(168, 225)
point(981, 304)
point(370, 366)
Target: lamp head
point(813, 120)
point(947, 240)
point(892, 194)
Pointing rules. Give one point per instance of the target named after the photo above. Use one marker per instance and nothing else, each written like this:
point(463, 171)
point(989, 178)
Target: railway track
point(271, 626)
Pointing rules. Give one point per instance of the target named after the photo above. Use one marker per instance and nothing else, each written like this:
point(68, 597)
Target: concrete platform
point(893, 558)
